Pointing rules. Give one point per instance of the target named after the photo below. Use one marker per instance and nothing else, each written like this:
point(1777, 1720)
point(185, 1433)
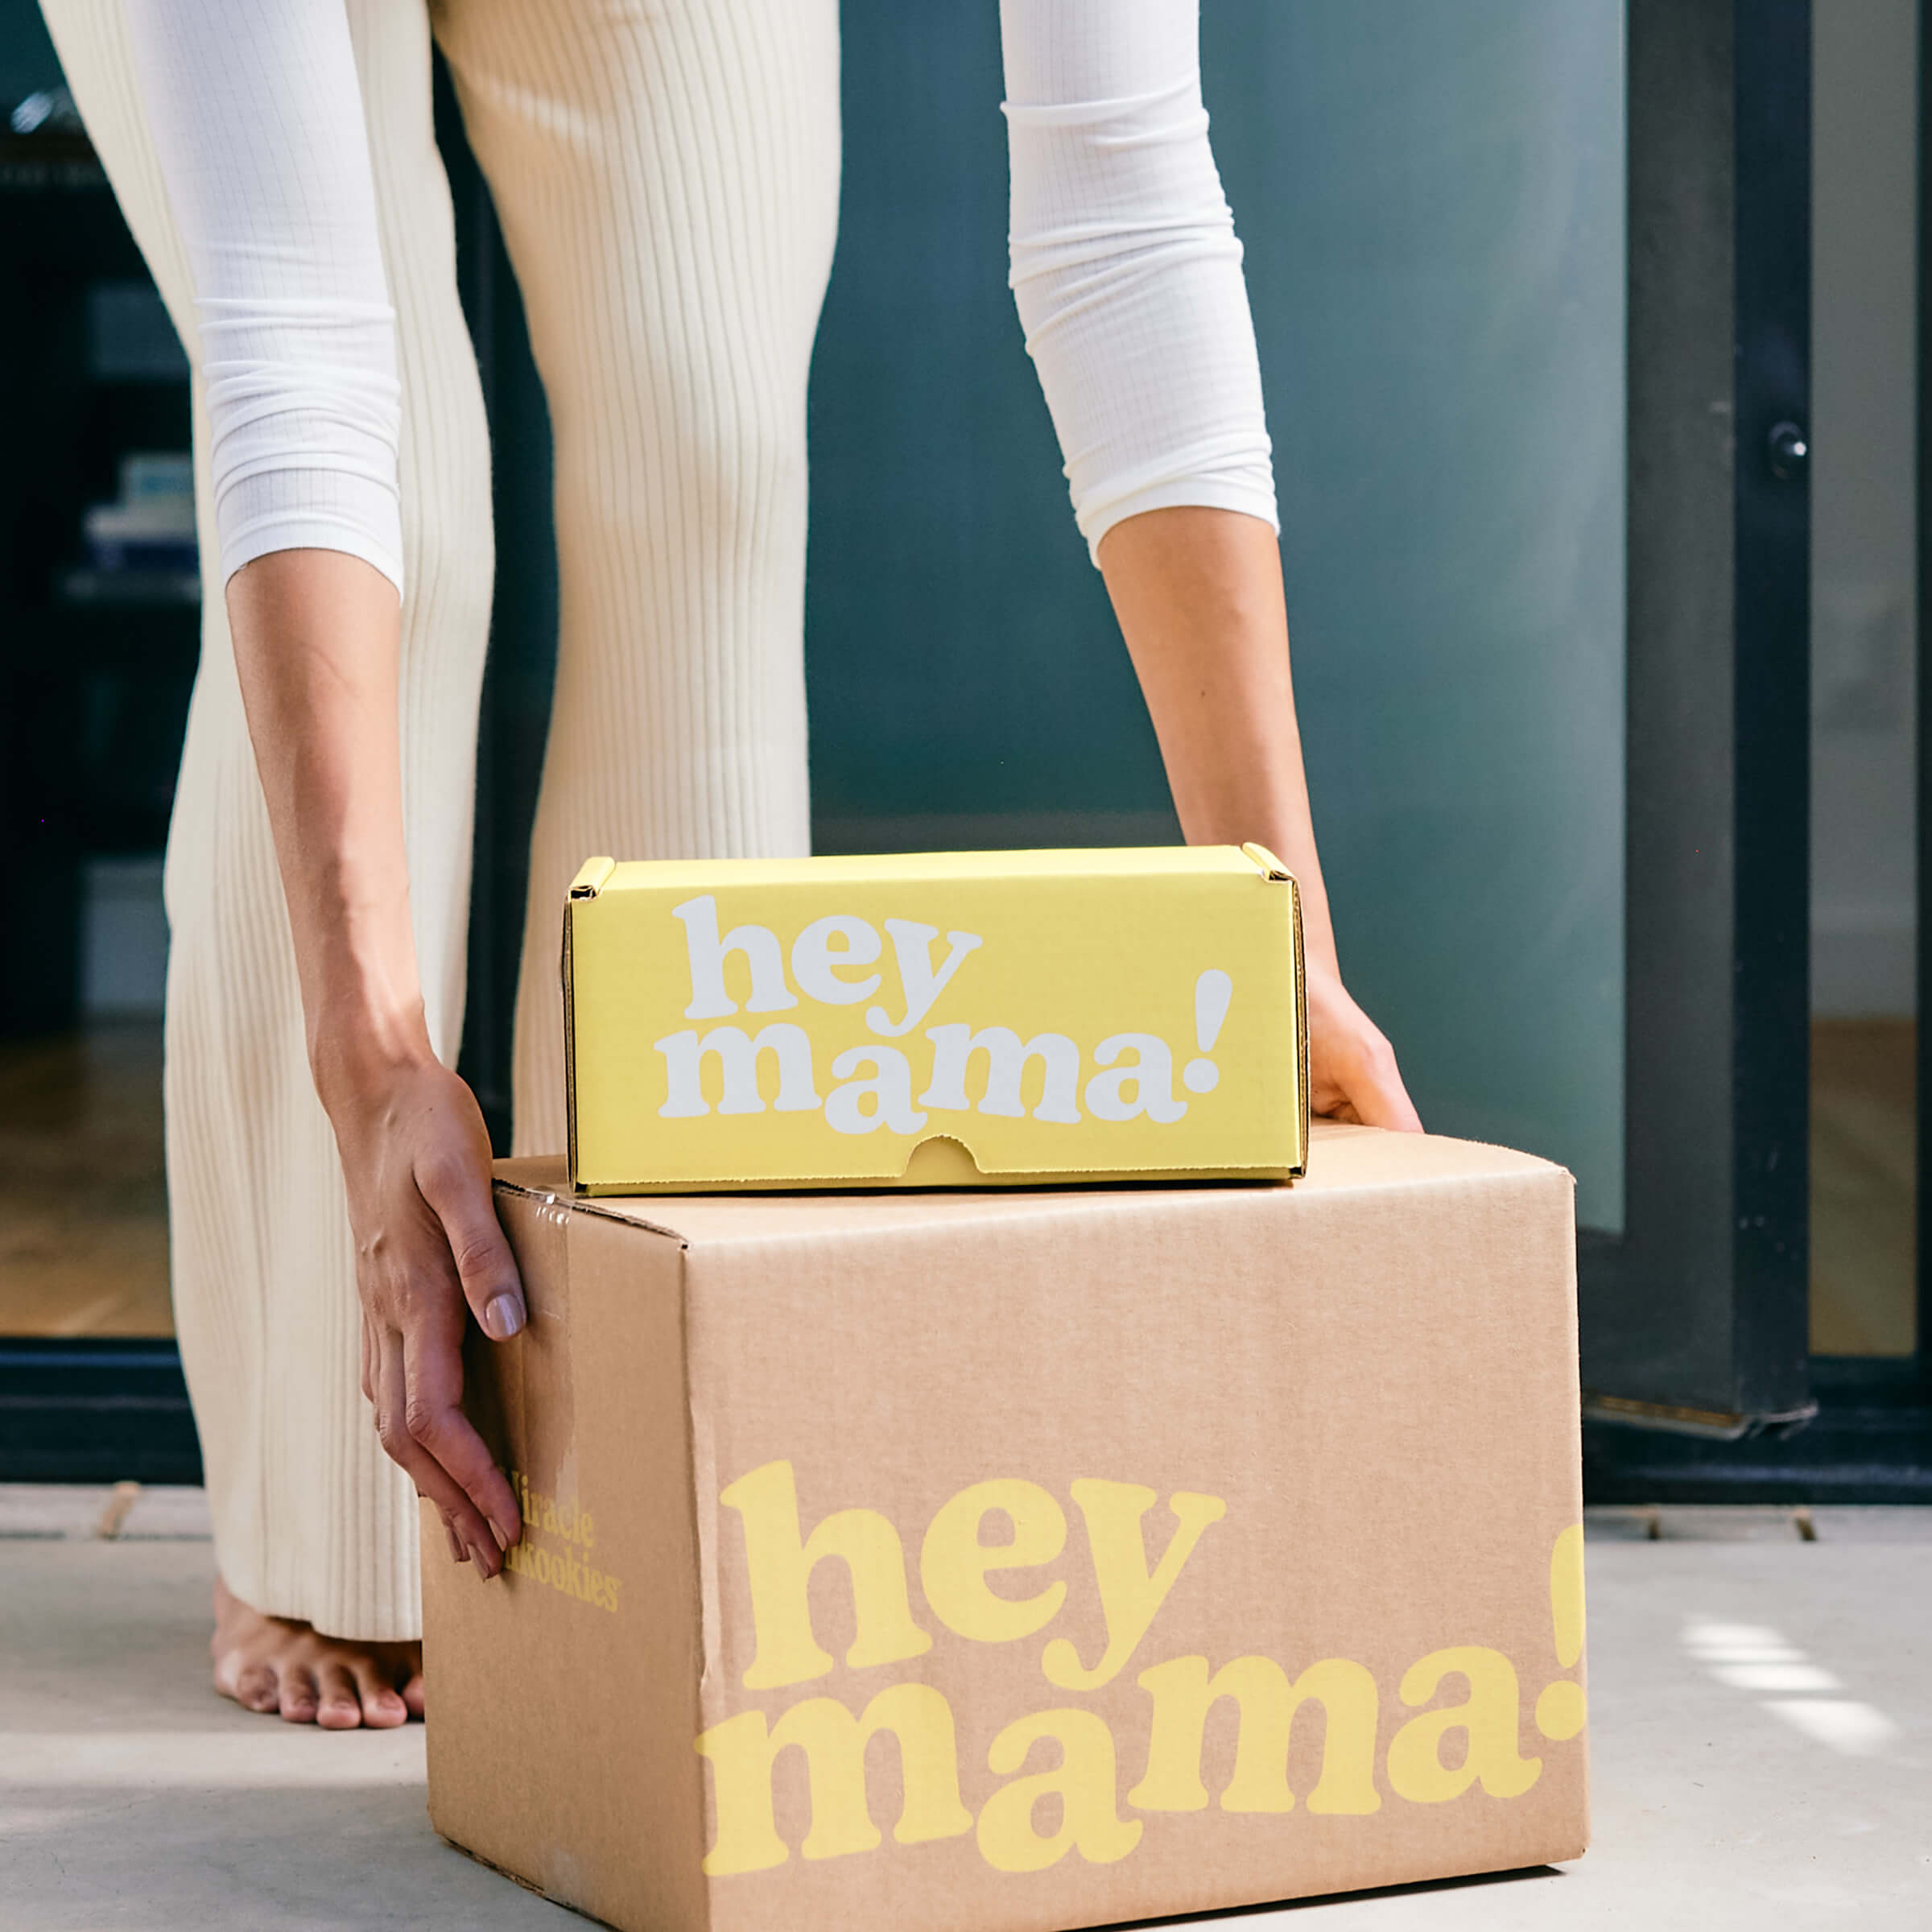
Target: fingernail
point(495, 1530)
point(503, 1317)
point(456, 1550)
point(486, 1563)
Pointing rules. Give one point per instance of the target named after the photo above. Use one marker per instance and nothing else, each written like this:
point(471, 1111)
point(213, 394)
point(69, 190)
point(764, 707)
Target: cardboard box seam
point(570, 1025)
point(694, 1488)
point(1041, 1213)
point(595, 875)
point(577, 1203)
point(997, 1180)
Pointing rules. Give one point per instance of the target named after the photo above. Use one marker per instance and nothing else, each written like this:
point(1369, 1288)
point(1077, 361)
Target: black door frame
point(1694, 1318)
point(95, 1411)
point(1918, 1387)
point(1828, 1429)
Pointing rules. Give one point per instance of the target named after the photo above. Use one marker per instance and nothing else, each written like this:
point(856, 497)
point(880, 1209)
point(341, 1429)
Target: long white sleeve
point(1126, 269)
point(257, 118)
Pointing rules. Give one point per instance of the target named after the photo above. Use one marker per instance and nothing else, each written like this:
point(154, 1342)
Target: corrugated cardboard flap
point(1345, 1160)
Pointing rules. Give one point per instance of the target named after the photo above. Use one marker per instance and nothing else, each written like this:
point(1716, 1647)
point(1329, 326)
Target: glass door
point(99, 639)
point(1865, 804)
point(1815, 1288)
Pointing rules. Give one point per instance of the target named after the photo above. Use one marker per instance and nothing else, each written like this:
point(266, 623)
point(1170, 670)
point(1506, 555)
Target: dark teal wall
point(961, 655)
point(27, 61)
point(1431, 197)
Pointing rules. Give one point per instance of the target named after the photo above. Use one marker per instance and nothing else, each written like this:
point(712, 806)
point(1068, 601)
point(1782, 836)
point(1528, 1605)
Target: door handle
point(1789, 449)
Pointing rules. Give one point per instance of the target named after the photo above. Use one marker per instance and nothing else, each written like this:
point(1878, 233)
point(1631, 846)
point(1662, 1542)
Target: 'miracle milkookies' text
point(557, 1548)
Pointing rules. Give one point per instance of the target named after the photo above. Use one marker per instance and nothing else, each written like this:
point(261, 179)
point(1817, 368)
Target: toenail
point(503, 1317)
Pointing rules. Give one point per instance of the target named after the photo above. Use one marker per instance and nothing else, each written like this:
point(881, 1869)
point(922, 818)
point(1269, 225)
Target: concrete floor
point(1735, 1786)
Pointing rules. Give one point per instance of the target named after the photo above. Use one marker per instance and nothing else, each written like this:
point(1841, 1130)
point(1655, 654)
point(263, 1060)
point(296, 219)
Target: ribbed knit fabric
point(311, 1518)
point(1125, 265)
point(255, 108)
point(668, 182)
point(666, 176)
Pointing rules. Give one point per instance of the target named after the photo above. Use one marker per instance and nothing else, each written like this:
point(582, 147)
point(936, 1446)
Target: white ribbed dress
point(666, 178)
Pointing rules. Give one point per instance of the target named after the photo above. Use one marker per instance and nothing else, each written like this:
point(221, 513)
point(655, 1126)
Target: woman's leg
point(312, 1522)
point(667, 181)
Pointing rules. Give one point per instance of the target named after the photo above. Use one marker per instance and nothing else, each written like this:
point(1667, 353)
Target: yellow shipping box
point(985, 1561)
point(1003, 1017)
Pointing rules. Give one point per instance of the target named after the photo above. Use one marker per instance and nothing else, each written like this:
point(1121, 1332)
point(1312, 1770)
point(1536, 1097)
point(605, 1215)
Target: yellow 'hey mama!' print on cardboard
point(1452, 1743)
point(1006, 1016)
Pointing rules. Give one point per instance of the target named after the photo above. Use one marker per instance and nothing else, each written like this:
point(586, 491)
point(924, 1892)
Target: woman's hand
point(1351, 1070)
point(429, 1254)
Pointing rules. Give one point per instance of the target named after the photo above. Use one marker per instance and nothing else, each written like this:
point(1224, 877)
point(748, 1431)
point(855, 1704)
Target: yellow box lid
point(1004, 1017)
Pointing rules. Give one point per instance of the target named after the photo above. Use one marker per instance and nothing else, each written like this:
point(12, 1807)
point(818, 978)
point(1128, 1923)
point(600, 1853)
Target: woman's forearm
point(1199, 595)
point(317, 648)
point(1198, 592)
point(316, 642)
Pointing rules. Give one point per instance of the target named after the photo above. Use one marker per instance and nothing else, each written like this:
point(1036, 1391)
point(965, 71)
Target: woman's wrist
point(362, 993)
point(361, 1044)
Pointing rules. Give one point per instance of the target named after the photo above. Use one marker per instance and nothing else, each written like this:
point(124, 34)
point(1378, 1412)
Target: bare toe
point(340, 1709)
point(298, 1695)
point(281, 1664)
point(381, 1709)
point(257, 1687)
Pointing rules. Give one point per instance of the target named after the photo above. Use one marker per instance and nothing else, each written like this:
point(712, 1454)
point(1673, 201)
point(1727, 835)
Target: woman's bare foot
point(270, 1664)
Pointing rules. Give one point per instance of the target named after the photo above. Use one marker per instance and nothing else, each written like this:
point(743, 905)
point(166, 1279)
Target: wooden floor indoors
point(1864, 1164)
point(83, 1202)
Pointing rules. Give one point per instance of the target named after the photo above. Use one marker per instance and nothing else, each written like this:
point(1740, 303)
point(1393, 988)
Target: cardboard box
point(1242, 1523)
point(953, 1019)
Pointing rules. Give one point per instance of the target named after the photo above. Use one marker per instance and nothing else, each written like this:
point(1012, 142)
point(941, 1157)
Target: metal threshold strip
point(1713, 1425)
